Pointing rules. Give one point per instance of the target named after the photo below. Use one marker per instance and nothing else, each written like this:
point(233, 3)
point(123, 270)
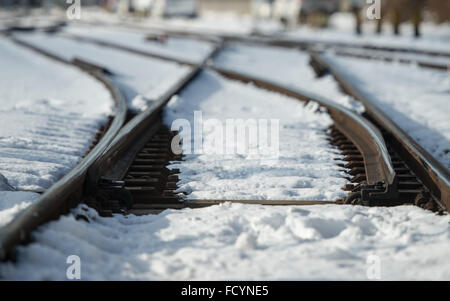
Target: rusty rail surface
point(432, 173)
point(67, 192)
point(115, 161)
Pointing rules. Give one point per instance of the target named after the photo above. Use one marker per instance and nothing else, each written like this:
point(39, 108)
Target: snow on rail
point(48, 118)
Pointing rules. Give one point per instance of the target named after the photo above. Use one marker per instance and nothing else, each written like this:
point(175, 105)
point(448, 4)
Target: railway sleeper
point(147, 180)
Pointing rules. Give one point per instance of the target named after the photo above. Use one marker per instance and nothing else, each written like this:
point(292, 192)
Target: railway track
point(370, 52)
point(66, 193)
point(126, 171)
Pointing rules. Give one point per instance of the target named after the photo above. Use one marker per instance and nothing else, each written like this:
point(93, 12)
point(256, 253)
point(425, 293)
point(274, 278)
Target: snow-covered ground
point(141, 79)
point(49, 115)
point(434, 37)
point(303, 166)
point(243, 242)
point(227, 241)
point(190, 50)
point(416, 99)
point(287, 66)
point(341, 30)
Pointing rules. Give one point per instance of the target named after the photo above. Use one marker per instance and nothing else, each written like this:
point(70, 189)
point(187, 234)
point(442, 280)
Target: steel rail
point(137, 131)
point(363, 133)
point(65, 193)
point(432, 173)
point(366, 137)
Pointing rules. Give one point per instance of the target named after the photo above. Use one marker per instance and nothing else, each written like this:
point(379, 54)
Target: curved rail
point(138, 129)
point(367, 138)
point(380, 173)
point(107, 158)
point(432, 173)
point(67, 192)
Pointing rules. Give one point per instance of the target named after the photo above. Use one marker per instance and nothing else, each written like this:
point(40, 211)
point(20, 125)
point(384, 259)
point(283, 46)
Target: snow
point(141, 79)
point(218, 23)
point(208, 22)
point(243, 242)
point(302, 167)
point(341, 30)
point(190, 50)
point(434, 37)
point(13, 202)
point(287, 66)
point(45, 129)
point(48, 118)
point(416, 99)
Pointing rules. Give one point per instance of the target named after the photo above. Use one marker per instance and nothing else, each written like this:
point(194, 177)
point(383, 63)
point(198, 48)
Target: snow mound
point(243, 242)
point(302, 166)
point(286, 66)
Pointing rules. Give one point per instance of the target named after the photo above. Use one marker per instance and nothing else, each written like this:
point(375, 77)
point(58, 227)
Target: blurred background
point(288, 13)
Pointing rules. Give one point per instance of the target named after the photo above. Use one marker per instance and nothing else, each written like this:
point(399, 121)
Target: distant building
point(241, 7)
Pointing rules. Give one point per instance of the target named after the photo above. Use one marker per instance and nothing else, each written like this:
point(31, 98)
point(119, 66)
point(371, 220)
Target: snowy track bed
point(303, 168)
point(243, 242)
point(275, 63)
point(416, 99)
point(254, 242)
point(49, 116)
point(140, 79)
point(175, 47)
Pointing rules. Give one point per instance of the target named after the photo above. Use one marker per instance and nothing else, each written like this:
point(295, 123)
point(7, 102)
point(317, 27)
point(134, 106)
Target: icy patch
point(243, 242)
point(304, 169)
point(287, 66)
